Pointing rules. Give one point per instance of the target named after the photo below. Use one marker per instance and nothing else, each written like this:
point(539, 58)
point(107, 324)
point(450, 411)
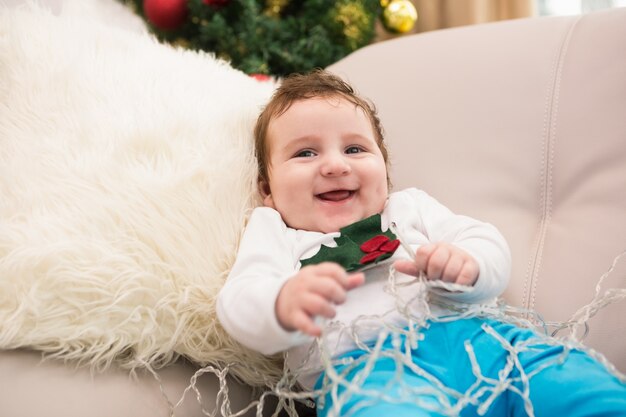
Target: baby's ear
point(266, 193)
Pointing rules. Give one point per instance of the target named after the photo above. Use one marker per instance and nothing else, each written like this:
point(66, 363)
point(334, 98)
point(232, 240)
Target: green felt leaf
point(348, 252)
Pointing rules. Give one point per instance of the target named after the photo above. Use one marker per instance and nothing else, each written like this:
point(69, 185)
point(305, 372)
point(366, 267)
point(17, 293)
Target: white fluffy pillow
point(126, 173)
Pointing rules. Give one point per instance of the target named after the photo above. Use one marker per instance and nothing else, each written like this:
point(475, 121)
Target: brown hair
point(318, 83)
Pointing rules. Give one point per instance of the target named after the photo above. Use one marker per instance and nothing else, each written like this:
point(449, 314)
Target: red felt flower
point(377, 246)
point(371, 257)
point(390, 246)
point(374, 243)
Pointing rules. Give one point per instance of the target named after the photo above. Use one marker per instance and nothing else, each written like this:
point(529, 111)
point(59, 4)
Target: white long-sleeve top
point(270, 254)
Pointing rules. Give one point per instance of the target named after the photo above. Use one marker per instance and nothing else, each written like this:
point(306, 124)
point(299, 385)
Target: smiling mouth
point(336, 195)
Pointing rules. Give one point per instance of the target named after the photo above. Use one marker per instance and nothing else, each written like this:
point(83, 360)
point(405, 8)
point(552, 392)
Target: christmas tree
point(273, 37)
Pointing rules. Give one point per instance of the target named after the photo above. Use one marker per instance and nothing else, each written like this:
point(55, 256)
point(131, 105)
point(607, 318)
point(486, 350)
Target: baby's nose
point(335, 165)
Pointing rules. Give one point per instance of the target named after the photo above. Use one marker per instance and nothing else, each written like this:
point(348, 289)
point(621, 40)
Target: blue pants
point(578, 386)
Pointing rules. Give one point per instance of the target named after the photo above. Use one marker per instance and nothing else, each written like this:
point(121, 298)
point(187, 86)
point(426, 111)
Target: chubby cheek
point(293, 210)
point(380, 177)
point(380, 201)
point(284, 193)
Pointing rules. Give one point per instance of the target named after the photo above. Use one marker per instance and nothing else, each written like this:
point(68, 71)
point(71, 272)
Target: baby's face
point(325, 169)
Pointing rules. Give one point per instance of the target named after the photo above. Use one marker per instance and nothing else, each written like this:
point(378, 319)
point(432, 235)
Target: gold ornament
point(181, 43)
point(273, 8)
point(355, 20)
point(399, 15)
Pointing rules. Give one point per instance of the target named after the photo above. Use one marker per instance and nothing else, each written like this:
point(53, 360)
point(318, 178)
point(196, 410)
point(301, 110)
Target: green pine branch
point(305, 35)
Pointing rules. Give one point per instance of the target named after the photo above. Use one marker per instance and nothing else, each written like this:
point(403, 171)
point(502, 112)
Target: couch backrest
point(522, 124)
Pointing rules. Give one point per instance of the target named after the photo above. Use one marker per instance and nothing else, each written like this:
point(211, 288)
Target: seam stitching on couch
point(547, 162)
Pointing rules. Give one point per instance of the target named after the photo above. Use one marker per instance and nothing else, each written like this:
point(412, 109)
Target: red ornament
point(260, 77)
point(216, 3)
point(165, 14)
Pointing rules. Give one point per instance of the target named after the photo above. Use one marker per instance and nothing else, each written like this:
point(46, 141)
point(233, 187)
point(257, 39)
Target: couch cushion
point(32, 387)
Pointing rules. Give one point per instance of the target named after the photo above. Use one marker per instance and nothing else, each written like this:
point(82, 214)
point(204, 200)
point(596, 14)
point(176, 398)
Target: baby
point(332, 252)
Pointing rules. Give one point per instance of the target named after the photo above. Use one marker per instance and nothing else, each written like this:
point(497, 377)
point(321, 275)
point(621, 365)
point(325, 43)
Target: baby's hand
point(442, 261)
point(312, 292)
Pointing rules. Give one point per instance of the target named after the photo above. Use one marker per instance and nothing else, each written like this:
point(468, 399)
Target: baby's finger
point(316, 305)
point(452, 269)
point(329, 289)
point(437, 262)
point(422, 255)
point(406, 267)
point(469, 273)
point(355, 280)
point(304, 323)
point(334, 271)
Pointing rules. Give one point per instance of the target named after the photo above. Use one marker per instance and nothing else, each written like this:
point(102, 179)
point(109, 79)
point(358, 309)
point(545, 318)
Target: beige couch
point(519, 123)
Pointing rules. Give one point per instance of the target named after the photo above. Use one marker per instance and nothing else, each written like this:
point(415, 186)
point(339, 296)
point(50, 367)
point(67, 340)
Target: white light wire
point(481, 394)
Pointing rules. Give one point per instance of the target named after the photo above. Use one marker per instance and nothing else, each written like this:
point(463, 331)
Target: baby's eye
point(305, 153)
point(354, 149)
